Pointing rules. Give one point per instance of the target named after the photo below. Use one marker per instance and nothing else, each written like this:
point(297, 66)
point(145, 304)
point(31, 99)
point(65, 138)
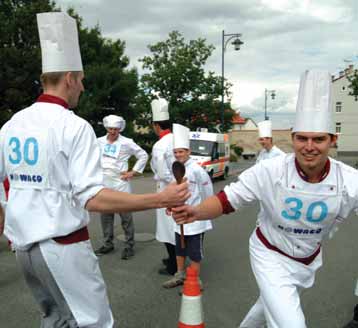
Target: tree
point(176, 73)
point(20, 54)
point(353, 79)
point(110, 87)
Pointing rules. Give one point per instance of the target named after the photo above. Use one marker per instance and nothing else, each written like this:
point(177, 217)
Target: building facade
point(241, 123)
point(345, 108)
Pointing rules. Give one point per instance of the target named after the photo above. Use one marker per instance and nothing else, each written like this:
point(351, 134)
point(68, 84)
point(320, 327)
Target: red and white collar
point(164, 133)
point(323, 175)
point(52, 100)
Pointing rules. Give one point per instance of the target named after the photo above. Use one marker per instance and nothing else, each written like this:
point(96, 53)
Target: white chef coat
point(114, 161)
point(200, 187)
point(296, 224)
point(51, 157)
point(295, 216)
point(267, 154)
point(162, 158)
point(52, 160)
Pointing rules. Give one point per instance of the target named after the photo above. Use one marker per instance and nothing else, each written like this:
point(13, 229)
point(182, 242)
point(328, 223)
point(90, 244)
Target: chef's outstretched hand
point(175, 195)
point(184, 214)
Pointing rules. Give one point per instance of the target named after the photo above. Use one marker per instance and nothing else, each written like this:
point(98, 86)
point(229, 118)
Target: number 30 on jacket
point(28, 152)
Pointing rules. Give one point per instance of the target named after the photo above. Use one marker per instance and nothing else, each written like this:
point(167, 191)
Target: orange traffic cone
point(191, 311)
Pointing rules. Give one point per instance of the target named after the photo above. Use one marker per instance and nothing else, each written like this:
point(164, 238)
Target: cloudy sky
point(281, 39)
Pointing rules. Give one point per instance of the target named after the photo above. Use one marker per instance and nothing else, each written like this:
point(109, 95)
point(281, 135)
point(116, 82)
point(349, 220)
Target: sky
point(282, 38)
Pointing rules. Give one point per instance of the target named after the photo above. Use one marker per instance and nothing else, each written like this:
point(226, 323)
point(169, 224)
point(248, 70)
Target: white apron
point(111, 178)
point(165, 223)
point(75, 266)
point(162, 150)
point(91, 311)
point(300, 221)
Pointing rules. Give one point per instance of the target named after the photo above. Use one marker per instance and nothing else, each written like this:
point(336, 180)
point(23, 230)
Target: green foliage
point(110, 87)
point(353, 79)
point(176, 73)
point(20, 54)
point(233, 158)
point(238, 150)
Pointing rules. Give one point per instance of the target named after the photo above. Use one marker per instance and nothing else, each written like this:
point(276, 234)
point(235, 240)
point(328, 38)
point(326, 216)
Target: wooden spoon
point(179, 172)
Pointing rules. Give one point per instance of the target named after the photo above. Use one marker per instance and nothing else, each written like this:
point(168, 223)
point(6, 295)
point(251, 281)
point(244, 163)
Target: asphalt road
point(138, 300)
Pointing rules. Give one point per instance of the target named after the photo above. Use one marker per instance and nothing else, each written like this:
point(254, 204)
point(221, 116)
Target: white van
point(212, 152)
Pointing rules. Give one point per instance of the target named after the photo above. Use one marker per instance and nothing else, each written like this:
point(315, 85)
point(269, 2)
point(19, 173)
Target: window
point(338, 127)
point(221, 149)
point(338, 107)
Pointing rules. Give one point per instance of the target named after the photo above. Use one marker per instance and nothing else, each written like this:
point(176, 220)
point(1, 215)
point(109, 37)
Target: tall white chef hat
point(314, 107)
point(114, 121)
point(265, 129)
point(181, 136)
point(160, 110)
point(59, 42)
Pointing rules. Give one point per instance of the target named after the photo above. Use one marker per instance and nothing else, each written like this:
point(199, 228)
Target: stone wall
point(248, 140)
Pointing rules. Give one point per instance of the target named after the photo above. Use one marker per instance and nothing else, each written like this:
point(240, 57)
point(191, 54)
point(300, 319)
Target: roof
point(237, 119)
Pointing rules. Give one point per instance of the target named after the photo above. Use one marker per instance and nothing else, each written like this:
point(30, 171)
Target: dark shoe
point(164, 271)
point(104, 250)
point(355, 313)
point(127, 253)
point(352, 324)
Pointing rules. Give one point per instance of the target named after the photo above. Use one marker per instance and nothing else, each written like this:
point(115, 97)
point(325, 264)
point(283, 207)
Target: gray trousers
point(56, 313)
point(107, 221)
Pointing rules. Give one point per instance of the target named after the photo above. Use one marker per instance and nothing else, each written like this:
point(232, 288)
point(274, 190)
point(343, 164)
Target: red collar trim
point(324, 173)
point(52, 99)
point(164, 133)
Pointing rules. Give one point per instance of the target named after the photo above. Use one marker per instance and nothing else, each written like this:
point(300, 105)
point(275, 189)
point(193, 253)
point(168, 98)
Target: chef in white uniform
point(52, 159)
point(115, 153)
point(162, 159)
point(269, 150)
point(200, 187)
point(302, 197)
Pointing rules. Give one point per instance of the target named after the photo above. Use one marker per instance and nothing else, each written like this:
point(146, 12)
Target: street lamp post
point(236, 43)
point(273, 95)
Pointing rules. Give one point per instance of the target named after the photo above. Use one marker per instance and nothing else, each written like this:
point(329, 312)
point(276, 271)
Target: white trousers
point(76, 271)
point(279, 280)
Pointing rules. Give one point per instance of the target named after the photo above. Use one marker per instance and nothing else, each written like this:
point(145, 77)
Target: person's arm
point(210, 208)
point(169, 159)
point(142, 158)
point(238, 194)
point(2, 220)
point(107, 200)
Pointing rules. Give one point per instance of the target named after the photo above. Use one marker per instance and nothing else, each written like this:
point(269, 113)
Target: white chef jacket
point(267, 154)
point(52, 159)
point(162, 159)
point(200, 187)
point(114, 161)
point(296, 220)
